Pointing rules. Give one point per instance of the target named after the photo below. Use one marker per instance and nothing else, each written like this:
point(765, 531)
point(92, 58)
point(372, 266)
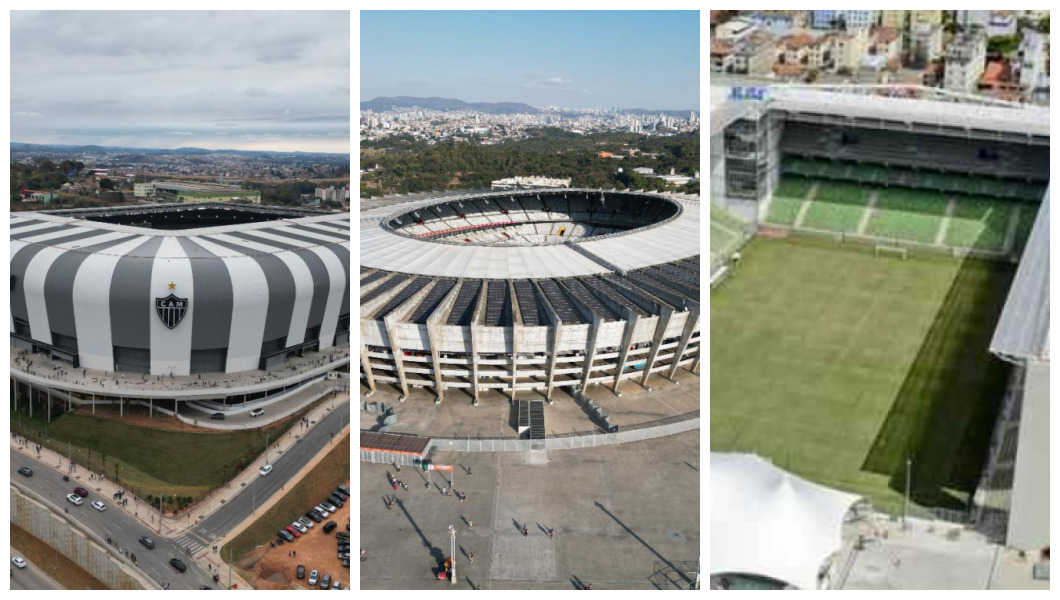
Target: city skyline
point(276, 81)
point(576, 59)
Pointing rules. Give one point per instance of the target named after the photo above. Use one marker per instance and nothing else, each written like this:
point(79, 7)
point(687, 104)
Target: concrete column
point(553, 355)
point(151, 410)
point(434, 337)
point(590, 353)
point(368, 373)
point(656, 341)
point(516, 334)
point(14, 393)
point(121, 406)
point(690, 326)
point(627, 339)
point(390, 323)
point(30, 387)
point(49, 406)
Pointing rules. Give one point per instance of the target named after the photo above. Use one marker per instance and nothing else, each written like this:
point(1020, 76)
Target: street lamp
point(452, 555)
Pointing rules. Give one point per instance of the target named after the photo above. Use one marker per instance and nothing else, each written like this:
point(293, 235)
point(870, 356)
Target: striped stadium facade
point(243, 297)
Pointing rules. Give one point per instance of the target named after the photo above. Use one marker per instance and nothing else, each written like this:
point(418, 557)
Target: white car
point(265, 470)
point(306, 521)
point(19, 562)
point(257, 412)
point(323, 512)
point(99, 506)
point(298, 525)
point(75, 499)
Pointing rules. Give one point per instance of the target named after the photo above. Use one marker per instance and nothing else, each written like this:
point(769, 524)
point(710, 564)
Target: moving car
point(330, 526)
point(265, 470)
point(18, 561)
point(325, 583)
point(218, 416)
point(80, 491)
point(147, 542)
point(28, 472)
point(99, 506)
point(283, 533)
point(306, 522)
point(313, 515)
point(75, 499)
point(257, 412)
point(299, 527)
point(293, 531)
point(313, 577)
point(300, 572)
point(177, 564)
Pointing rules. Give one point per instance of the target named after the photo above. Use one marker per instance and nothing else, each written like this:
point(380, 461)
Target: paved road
point(31, 577)
point(285, 468)
point(123, 528)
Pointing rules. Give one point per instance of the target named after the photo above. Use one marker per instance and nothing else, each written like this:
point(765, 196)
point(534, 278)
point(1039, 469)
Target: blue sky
point(630, 59)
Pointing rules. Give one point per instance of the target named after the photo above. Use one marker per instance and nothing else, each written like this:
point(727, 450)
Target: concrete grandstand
point(524, 291)
point(909, 171)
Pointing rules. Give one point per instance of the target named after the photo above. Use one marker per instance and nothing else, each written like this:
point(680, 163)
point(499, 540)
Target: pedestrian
point(470, 523)
point(551, 533)
point(389, 504)
point(444, 492)
point(589, 587)
point(406, 486)
point(397, 467)
point(294, 553)
point(471, 558)
point(363, 558)
point(525, 531)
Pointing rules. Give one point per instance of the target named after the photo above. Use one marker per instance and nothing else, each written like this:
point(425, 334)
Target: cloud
point(554, 83)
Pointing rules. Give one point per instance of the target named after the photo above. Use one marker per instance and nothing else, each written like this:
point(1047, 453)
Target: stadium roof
point(767, 522)
point(386, 250)
point(1023, 330)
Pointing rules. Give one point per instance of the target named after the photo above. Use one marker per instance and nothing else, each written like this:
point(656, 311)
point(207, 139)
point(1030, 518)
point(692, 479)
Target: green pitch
point(838, 365)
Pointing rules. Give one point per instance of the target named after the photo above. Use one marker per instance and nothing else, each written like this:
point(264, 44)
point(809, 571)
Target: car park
point(265, 470)
point(19, 562)
point(325, 582)
point(257, 412)
point(177, 564)
point(284, 534)
point(75, 499)
point(300, 572)
point(218, 416)
point(293, 531)
point(299, 527)
point(99, 506)
point(330, 526)
point(80, 491)
point(147, 542)
point(28, 472)
point(313, 577)
point(314, 516)
point(306, 522)
point(329, 506)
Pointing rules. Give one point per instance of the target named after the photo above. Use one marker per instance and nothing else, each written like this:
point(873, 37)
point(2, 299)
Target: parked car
point(320, 510)
point(265, 470)
point(337, 585)
point(344, 489)
point(325, 582)
point(28, 472)
point(218, 416)
point(284, 534)
point(343, 497)
point(257, 412)
point(336, 500)
point(80, 491)
point(19, 562)
point(74, 498)
point(342, 535)
point(298, 526)
point(147, 542)
point(305, 521)
point(293, 531)
point(346, 563)
point(177, 564)
point(330, 526)
point(313, 515)
point(99, 506)
point(329, 506)
point(300, 572)
point(313, 577)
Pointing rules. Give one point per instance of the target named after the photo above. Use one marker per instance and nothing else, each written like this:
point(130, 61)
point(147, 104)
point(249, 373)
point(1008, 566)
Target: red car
point(80, 491)
point(293, 531)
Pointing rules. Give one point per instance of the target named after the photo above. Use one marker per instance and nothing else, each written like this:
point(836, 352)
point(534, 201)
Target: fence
point(570, 441)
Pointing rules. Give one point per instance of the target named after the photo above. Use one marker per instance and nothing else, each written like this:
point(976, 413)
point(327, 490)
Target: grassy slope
point(60, 568)
point(333, 470)
point(836, 364)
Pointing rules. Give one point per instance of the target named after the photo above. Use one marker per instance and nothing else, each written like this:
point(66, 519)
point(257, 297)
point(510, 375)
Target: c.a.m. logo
point(171, 309)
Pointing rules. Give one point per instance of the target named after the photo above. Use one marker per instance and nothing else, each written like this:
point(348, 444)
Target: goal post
point(883, 250)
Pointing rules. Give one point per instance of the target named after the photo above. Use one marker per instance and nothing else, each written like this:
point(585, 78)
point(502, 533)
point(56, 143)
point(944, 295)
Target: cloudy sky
point(244, 80)
point(586, 59)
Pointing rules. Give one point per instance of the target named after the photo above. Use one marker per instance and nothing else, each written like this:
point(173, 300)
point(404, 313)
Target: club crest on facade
point(171, 309)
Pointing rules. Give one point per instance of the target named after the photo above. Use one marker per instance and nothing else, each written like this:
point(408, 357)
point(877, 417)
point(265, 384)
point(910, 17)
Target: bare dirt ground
point(274, 568)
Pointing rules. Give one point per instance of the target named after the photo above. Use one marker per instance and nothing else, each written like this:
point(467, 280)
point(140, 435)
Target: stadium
point(879, 295)
point(173, 302)
point(529, 291)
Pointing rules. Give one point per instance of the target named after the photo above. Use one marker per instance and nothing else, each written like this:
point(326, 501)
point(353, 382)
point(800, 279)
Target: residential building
point(1032, 61)
point(736, 30)
point(531, 182)
point(925, 45)
point(848, 49)
point(1002, 23)
point(965, 60)
point(967, 19)
point(778, 22)
point(845, 19)
point(755, 56)
point(925, 17)
point(896, 19)
point(144, 190)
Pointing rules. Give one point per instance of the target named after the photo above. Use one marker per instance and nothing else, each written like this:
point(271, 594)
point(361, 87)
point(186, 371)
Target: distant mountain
point(24, 147)
point(447, 104)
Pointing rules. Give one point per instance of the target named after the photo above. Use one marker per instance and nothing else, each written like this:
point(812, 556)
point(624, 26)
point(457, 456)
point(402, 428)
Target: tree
point(106, 184)
point(16, 197)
